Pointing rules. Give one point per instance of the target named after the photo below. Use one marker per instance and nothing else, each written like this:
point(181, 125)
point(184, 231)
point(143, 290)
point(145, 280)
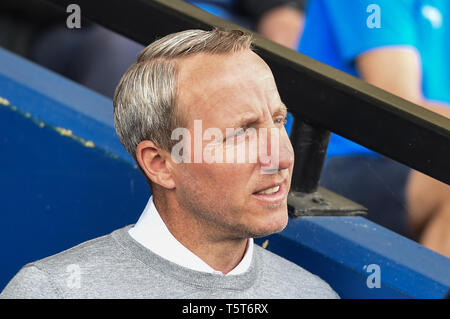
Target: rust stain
point(65, 132)
point(4, 101)
point(89, 144)
point(62, 131)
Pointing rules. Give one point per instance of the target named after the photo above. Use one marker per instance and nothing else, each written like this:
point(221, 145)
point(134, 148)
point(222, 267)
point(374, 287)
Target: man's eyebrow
point(249, 119)
point(281, 110)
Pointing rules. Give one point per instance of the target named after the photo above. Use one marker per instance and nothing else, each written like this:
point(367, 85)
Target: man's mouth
point(269, 191)
point(272, 194)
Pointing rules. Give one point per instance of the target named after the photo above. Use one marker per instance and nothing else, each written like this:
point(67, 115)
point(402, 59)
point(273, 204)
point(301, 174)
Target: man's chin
point(272, 227)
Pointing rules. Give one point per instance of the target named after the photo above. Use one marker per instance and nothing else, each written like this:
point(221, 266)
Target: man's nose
point(286, 154)
point(276, 152)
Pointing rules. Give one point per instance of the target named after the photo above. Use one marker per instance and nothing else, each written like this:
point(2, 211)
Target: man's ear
point(155, 163)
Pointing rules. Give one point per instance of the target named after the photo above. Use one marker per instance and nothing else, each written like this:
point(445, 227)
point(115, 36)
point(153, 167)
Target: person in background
point(278, 20)
point(97, 57)
point(402, 47)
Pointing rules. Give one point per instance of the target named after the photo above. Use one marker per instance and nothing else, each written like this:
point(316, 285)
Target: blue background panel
point(337, 249)
point(58, 190)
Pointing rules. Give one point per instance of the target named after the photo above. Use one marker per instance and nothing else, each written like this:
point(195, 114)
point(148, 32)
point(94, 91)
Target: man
point(194, 238)
point(402, 47)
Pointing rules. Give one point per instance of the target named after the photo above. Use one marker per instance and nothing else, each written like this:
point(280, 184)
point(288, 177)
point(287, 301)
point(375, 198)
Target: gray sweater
point(116, 266)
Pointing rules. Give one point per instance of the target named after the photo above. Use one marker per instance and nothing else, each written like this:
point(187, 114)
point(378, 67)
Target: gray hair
point(145, 98)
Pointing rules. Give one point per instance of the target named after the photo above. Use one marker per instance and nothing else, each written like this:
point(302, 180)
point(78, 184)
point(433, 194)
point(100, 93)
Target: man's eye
point(280, 120)
point(239, 132)
point(236, 132)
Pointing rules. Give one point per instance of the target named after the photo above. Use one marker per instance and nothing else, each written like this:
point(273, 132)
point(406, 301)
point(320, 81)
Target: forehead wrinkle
point(215, 91)
point(222, 100)
point(256, 115)
point(246, 119)
point(209, 94)
point(204, 92)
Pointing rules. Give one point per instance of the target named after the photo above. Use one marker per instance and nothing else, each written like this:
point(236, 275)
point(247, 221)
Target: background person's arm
point(398, 70)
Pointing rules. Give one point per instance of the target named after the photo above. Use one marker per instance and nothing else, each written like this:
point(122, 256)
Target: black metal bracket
point(322, 202)
point(306, 197)
point(310, 145)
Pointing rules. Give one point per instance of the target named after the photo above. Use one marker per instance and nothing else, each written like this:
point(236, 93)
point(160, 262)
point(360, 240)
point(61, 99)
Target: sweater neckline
point(152, 233)
point(192, 277)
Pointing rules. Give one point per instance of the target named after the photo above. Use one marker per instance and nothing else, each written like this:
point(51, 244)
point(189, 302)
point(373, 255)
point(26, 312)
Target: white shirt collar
point(152, 233)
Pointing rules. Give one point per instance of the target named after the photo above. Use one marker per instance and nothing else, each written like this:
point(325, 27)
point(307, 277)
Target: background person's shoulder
point(293, 280)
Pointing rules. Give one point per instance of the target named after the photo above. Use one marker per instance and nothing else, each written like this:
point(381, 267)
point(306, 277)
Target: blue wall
point(341, 249)
point(64, 177)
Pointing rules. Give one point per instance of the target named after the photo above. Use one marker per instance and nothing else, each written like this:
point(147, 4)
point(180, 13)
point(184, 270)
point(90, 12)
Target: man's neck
point(221, 254)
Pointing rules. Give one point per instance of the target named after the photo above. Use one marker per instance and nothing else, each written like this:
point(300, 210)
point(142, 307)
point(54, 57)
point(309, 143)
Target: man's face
point(233, 91)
